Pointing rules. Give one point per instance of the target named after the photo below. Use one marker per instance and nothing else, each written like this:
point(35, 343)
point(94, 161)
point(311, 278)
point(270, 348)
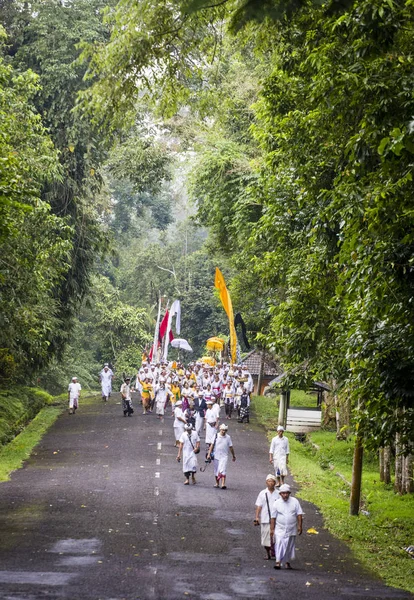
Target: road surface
point(100, 512)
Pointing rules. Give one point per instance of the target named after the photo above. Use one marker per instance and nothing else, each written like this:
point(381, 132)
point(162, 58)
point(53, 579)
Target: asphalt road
point(100, 512)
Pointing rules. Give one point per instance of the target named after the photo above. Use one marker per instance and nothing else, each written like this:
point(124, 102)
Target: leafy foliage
point(34, 242)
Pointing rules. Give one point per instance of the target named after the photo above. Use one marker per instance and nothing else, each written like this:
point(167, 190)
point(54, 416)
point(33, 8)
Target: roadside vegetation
point(18, 406)
point(322, 467)
point(27, 413)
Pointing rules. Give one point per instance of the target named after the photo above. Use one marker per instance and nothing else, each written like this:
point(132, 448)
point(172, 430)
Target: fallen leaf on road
point(312, 530)
point(308, 583)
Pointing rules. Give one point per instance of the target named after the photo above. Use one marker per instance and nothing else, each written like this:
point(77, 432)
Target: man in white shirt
point(221, 448)
point(74, 390)
point(278, 455)
point(264, 502)
point(286, 522)
point(126, 397)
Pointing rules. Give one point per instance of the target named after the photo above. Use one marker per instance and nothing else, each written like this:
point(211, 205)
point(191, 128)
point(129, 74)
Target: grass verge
point(378, 538)
point(18, 450)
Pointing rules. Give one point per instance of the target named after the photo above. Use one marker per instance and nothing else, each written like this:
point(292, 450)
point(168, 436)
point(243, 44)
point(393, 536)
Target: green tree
point(35, 244)
point(44, 38)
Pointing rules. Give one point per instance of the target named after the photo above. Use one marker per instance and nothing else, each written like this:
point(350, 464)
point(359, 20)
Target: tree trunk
point(408, 481)
point(398, 465)
point(329, 407)
point(387, 465)
point(356, 477)
point(381, 464)
point(261, 372)
point(342, 414)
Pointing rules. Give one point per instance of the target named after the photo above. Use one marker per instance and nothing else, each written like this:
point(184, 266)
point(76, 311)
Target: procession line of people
point(196, 395)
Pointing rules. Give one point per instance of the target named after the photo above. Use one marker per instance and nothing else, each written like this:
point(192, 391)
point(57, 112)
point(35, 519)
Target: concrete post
point(282, 408)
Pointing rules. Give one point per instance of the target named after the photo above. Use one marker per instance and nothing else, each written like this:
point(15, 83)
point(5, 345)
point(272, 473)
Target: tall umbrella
point(215, 344)
point(181, 344)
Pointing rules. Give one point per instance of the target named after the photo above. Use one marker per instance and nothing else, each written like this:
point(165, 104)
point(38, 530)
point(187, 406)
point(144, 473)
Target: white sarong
point(285, 548)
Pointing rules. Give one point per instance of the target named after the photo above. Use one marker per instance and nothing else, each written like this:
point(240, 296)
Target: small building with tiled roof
point(271, 368)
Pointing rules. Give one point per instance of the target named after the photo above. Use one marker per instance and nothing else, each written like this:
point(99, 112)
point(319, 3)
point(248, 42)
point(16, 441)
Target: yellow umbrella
point(208, 360)
point(215, 344)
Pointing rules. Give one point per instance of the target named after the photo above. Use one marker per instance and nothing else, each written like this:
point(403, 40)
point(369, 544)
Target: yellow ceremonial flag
point(220, 284)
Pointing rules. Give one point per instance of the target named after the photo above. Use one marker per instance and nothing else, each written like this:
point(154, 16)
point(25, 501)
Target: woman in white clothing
point(221, 449)
point(161, 398)
point(189, 447)
point(179, 421)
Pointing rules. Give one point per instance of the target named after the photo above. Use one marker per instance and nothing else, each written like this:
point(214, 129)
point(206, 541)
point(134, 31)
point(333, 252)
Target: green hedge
point(18, 406)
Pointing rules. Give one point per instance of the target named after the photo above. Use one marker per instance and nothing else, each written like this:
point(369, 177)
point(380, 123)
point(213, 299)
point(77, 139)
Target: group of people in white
point(197, 394)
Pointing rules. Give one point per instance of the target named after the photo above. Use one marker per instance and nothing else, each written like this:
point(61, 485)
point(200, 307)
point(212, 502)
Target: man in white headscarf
point(105, 378)
point(286, 522)
point(278, 455)
point(189, 446)
point(264, 503)
point(74, 390)
point(221, 448)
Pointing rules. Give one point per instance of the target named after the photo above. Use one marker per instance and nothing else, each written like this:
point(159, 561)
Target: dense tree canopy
point(296, 122)
point(35, 243)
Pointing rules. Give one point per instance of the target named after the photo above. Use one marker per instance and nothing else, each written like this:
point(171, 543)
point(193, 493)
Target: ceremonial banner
point(163, 326)
point(220, 284)
point(175, 311)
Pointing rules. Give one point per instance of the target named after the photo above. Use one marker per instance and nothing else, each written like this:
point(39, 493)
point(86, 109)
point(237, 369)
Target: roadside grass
point(18, 450)
point(13, 454)
point(18, 405)
point(377, 538)
point(301, 398)
point(268, 406)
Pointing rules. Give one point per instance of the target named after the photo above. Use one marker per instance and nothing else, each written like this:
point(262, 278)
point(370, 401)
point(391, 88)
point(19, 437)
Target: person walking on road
point(221, 447)
point(126, 397)
point(264, 502)
point(74, 390)
point(189, 447)
point(244, 407)
point(211, 423)
point(279, 454)
point(179, 421)
point(105, 378)
point(286, 522)
point(161, 398)
point(146, 391)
